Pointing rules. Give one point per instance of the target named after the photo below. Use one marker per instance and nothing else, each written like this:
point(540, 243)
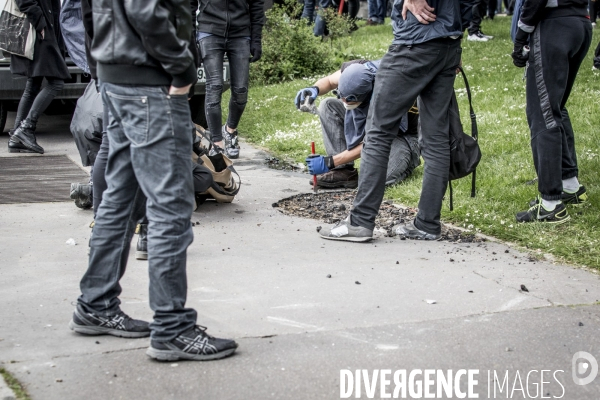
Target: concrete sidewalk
point(261, 277)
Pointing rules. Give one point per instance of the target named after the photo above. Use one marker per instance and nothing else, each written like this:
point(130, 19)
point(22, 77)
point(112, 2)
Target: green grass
point(14, 384)
point(272, 122)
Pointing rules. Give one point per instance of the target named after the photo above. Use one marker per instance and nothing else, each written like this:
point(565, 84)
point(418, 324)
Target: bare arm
point(347, 156)
point(328, 83)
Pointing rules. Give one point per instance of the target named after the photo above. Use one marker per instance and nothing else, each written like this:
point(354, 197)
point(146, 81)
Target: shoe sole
point(347, 185)
point(140, 255)
point(28, 144)
point(173, 355)
point(416, 237)
point(99, 330)
point(348, 239)
point(13, 150)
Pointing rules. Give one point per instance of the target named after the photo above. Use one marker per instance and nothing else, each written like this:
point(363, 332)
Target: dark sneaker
point(537, 213)
point(195, 344)
point(344, 231)
point(214, 150)
point(120, 325)
point(232, 147)
point(338, 178)
point(82, 194)
point(575, 199)
point(410, 231)
point(141, 250)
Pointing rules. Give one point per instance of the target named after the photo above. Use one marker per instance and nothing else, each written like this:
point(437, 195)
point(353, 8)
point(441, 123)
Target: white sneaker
point(477, 37)
point(487, 36)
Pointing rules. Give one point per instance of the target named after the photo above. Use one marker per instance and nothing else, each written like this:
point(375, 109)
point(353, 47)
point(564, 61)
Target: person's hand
point(520, 54)
point(422, 11)
point(255, 50)
point(179, 91)
point(255, 42)
point(311, 92)
point(317, 164)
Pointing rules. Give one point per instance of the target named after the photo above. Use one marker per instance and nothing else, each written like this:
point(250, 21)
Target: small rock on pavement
point(357, 282)
point(329, 275)
point(71, 242)
point(319, 228)
point(509, 349)
point(431, 301)
point(524, 288)
point(581, 324)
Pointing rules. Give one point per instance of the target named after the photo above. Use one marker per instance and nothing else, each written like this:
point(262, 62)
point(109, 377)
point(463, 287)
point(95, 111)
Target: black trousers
point(427, 71)
point(479, 10)
point(597, 56)
point(554, 61)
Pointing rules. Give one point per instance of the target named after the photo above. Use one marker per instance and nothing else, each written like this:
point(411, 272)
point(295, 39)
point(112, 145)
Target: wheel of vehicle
point(3, 115)
point(197, 110)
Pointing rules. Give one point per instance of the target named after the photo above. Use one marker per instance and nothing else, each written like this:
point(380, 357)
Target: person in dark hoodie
point(343, 119)
point(48, 63)
point(421, 61)
point(232, 28)
point(146, 70)
point(557, 34)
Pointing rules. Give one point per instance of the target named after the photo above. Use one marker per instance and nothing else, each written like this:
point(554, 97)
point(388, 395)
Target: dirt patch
point(276, 163)
point(333, 206)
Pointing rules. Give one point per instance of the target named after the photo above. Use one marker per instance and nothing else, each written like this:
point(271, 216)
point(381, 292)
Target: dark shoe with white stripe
point(537, 213)
point(346, 232)
point(194, 344)
point(120, 324)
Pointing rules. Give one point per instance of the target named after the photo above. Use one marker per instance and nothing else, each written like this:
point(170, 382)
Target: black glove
point(520, 53)
point(256, 43)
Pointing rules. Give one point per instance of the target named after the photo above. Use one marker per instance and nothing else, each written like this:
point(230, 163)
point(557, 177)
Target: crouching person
point(343, 121)
point(146, 69)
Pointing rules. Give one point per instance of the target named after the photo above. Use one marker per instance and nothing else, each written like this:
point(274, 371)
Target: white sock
point(571, 185)
point(549, 205)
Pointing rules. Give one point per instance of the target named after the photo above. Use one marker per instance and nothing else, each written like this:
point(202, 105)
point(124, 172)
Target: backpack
point(224, 186)
point(465, 153)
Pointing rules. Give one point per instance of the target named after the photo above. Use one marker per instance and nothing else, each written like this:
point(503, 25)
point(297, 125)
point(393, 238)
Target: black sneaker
point(537, 213)
point(195, 344)
point(120, 325)
point(410, 231)
point(575, 199)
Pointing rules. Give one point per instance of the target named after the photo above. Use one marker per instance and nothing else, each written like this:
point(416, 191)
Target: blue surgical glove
point(312, 93)
point(318, 165)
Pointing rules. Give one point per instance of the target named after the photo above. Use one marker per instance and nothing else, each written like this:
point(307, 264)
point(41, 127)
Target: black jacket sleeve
point(193, 45)
point(34, 13)
point(257, 13)
point(88, 25)
point(531, 14)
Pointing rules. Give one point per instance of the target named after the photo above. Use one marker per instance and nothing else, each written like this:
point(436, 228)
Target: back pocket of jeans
point(132, 114)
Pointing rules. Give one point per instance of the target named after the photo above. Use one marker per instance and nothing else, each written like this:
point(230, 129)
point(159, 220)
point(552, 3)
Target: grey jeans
point(426, 70)
point(404, 153)
point(149, 156)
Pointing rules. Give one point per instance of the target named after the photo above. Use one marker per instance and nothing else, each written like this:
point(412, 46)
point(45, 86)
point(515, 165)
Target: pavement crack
point(103, 352)
point(512, 288)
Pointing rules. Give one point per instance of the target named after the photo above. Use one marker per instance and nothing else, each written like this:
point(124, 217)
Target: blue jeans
point(320, 25)
point(377, 10)
point(149, 157)
point(309, 11)
point(426, 70)
point(212, 50)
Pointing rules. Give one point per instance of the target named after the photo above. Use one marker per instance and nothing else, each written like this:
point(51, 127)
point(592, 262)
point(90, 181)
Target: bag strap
point(474, 132)
point(217, 188)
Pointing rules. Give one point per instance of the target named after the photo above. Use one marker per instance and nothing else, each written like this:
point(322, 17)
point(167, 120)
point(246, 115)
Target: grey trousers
point(426, 70)
point(404, 153)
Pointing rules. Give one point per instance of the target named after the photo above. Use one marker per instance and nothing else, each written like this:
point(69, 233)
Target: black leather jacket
point(231, 18)
point(143, 42)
